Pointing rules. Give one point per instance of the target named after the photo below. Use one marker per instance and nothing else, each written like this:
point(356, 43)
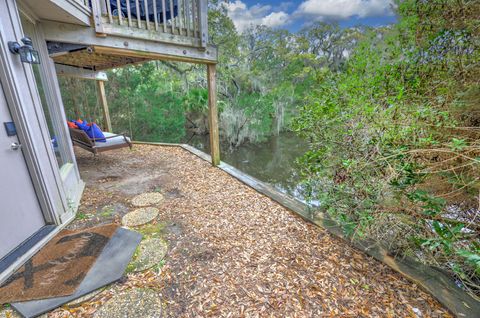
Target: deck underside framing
point(127, 47)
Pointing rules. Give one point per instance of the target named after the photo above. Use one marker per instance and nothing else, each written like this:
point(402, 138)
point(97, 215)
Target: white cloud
point(343, 9)
point(244, 16)
point(276, 19)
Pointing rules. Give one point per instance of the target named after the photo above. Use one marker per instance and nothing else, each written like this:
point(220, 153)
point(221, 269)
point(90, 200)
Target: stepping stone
point(151, 253)
point(9, 313)
point(147, 199)
point(139, 217)
point(136, 302)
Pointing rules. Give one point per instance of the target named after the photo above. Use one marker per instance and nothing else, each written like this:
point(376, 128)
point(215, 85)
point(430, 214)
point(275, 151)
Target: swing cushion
point(114, 140)
point(71, 124)
point(92, 130)
point(95, 133)
point(81, 125)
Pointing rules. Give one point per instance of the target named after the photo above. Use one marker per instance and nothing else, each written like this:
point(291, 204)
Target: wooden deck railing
point(174, 21)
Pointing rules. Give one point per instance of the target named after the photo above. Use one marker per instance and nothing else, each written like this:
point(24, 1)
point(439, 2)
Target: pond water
point(272, 161)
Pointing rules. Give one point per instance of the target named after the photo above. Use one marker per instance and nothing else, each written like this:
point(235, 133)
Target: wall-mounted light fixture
point(26, 51)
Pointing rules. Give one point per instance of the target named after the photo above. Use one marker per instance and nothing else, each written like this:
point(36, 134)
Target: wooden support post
point(97, 10)
point(213, 114)
point(102, 98)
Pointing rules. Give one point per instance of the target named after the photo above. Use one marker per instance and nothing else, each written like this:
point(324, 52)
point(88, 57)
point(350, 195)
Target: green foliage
point(395, 141)
point(161, 119)
point(196, 100)
point(142, 102)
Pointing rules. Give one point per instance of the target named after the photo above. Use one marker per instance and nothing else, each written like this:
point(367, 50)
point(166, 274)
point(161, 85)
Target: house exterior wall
point(58, 191)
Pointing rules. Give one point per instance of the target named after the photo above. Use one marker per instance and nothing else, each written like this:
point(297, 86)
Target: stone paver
point(137, 302)
point(139, 217)
point(151, 253)
point(8, 313)
point(147, 199)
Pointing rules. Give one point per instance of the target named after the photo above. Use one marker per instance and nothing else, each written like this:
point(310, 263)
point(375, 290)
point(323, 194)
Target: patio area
point(231, 252)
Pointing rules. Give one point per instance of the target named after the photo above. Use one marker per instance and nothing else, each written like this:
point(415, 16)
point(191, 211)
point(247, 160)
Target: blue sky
point(295, 14)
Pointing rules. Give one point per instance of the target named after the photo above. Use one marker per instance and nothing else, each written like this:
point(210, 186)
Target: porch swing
point(97, 144)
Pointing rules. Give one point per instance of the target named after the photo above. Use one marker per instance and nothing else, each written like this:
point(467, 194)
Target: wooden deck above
point(121, 32)
point(183, 22)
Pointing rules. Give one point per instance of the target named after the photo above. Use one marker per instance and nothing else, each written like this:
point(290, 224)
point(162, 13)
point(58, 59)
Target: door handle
point(15, 146)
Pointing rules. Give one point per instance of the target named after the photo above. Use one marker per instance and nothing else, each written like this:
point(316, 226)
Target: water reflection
point(273, 161)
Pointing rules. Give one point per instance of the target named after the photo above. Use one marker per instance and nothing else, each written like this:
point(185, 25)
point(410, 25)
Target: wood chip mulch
point(236, 253)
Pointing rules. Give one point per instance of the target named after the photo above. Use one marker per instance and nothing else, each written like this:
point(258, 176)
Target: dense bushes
point(395, 138)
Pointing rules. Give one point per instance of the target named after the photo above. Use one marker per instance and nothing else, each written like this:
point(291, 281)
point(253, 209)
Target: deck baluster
point(194, 18)
point(172, 19)
point(147, 18)
point(155, 18)
point(180, 22)
point(139, 20)
point(129, 13)
point(109, 10)
point(100, 4)
point(119, 13)
point(164, 14)
point(177, 17)
point(187, 17)
point(184, 16)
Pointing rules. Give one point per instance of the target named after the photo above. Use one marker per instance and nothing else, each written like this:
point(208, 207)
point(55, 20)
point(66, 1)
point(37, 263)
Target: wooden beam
point(213, 114)
point(69, 33)
point(102, 98)
point(81, 73)
point(146, 55)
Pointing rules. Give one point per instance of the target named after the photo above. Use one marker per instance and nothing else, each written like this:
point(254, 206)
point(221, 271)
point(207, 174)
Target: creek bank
point(272, 161)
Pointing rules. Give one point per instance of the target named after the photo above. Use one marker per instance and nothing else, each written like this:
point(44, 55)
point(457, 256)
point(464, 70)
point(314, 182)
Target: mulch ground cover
point(233, 252)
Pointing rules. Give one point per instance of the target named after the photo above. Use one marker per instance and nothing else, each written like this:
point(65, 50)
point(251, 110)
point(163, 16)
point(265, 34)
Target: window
point(54, 122)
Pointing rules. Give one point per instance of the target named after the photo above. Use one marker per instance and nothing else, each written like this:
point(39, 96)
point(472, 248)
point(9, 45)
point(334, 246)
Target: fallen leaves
point(240, 254)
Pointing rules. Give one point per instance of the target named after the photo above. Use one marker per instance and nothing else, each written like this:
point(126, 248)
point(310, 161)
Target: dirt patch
point(234, 252)
point(174, 228)
point(124, 174)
